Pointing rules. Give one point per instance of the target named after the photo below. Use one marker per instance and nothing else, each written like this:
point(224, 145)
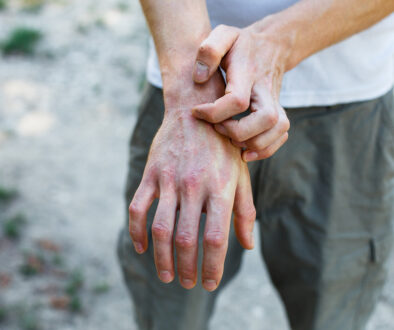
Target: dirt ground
point(66, 114)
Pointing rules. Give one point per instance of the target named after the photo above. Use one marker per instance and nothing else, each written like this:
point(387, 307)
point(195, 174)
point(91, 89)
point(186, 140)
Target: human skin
point(255, 59)
point(190, 167)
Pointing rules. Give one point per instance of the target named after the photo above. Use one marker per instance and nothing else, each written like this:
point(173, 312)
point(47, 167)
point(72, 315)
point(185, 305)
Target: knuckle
point(222, 27)
point(240, 101)
point(134, 209)
point(189, 183)
point(271, 118)
point(187, 271)
point(285, 125)
point(134, 234)
point(268, 152)
point(285, 138)
point(215, 239)
point(161, 232)
point(213, 117)
point(237, 134)
point(168, 175)
point(206, 50)
point(249, 213)
point(185, 241)
point(255, 144)
point(212, 271)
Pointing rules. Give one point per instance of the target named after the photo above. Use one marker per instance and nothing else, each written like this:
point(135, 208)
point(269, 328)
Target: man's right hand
point(193, 169)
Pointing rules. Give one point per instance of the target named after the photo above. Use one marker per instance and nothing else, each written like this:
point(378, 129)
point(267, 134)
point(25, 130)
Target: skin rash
point(192, 165)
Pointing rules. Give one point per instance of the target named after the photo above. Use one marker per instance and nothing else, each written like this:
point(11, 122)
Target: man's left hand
point(254, 62)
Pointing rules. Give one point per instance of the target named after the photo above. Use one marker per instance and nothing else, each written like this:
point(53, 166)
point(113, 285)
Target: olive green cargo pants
point(325, 202)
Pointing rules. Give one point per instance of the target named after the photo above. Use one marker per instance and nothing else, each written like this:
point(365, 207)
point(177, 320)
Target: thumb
point(212, 50)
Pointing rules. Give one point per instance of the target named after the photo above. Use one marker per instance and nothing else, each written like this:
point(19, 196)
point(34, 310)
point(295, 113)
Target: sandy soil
point(65, 118)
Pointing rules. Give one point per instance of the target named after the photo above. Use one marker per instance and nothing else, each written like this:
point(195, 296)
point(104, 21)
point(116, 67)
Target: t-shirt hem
point(312, 99)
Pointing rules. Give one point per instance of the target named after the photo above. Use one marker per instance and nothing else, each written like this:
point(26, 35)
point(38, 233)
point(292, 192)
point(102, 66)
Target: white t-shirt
point(356, 69)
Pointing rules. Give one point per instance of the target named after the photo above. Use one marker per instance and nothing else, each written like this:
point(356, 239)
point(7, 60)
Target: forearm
point(177, 27)
point(312, 25)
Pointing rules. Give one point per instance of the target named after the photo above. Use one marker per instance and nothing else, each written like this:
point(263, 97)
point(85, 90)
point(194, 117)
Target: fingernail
point(251, 155)
point(201, 72)
point(165, 276)
point(196, 112)
point(138, 247)
point(221, 129)
point(210, 285)
point(186, 282)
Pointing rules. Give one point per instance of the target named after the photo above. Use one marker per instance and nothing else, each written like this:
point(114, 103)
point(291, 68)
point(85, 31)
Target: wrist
point(280, 35)
point(181, 93)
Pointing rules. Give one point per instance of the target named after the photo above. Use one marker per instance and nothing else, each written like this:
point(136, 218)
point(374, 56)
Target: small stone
point(60, 302)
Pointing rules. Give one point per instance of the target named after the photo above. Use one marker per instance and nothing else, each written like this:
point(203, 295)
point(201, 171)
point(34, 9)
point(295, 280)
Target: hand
point(194, 169)
point(252, 61)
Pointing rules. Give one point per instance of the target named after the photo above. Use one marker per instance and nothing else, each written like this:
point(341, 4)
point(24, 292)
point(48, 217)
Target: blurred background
point(71, 75)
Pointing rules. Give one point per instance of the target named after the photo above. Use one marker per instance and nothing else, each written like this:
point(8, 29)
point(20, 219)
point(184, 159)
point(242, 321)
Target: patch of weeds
point(28, 319)
point(101, 287)
point(82, 28)
point(99, 22)
point(12, 227)
point(33, 6)
point(21, 40)
point(123, 6)
point(58, 260)
point(3, 4)
point(75, 304)
point(6, 194)
point(75, 283)
point(32, 265)
point(73, 288)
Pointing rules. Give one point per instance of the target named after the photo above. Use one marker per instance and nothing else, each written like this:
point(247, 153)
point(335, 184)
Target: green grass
point(100, 23)
point(32, 265)
point(7, 194)
point(28, 319)
point(58, 260)
point(101, 287)
point(122, 6)
point(33, 6)
point(12, 227)
point(21, 40)
point(3, 4)
point(75, 283)
point(75, 304)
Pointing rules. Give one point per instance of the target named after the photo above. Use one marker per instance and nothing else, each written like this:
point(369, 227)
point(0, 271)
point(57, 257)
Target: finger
point(215, 241)
point(244, 211)
point(138, 209)
point(186, 241)
point(264, 116)
point(239, 144)
point(212, 50)
point(236, 99)
point(269, 137)
point(162, 234)
point(249, 156)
